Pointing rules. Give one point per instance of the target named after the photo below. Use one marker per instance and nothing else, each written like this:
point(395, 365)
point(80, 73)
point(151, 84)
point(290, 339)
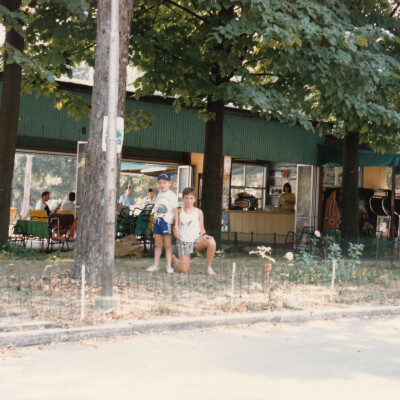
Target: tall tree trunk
point(27, 185)
point(91, 213)
point(211, 202)
point(349, 205)
point(9, 113)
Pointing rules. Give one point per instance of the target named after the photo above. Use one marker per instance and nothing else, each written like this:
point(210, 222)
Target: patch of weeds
point(163, 310)
point(20, 252)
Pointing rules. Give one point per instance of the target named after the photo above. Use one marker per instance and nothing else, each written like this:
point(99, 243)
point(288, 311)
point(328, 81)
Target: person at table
point(127, 199)
point(42, 203)
point(287, 199)
point(150, 197)
point(69, 204)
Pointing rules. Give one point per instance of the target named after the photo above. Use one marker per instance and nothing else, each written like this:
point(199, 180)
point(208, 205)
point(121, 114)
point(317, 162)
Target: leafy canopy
point(300, 60)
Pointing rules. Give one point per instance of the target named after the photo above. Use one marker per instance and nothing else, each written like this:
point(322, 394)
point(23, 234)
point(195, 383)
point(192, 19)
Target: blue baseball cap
point(165, 176)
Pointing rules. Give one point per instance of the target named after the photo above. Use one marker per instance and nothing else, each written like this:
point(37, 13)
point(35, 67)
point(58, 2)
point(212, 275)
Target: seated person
point(287, 199)
point(150, 197)
point(42, 203)
point(127, 199)
point(68, 205)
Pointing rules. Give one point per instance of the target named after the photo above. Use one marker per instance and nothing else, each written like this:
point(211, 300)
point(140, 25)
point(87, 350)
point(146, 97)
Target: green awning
point(332, 156)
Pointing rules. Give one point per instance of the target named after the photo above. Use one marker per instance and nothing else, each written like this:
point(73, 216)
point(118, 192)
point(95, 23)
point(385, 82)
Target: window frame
point(264, 188)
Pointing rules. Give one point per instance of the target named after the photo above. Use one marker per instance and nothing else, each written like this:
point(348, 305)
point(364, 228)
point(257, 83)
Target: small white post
point(83, 283)
point(333, 279)
point(233, 284)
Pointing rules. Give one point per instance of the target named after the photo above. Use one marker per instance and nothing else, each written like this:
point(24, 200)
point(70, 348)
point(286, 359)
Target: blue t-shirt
point(127, 200)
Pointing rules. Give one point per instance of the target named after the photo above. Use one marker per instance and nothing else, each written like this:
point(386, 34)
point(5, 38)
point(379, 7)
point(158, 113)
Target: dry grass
point(42, 289)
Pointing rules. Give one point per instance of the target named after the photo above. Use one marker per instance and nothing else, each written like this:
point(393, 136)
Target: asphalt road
point(343, 359)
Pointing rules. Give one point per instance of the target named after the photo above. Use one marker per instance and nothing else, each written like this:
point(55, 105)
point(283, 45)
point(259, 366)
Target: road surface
point(343, 359)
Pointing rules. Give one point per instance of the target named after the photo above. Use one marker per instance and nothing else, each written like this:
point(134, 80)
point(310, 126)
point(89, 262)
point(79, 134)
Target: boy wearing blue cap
point(165, 212)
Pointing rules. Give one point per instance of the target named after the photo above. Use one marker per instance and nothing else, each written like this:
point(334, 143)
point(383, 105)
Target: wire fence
point(319, 275)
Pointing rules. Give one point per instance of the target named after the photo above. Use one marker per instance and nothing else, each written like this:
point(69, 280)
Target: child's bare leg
point(168, 249)
point(210, 245)
point(158, 243)
point(182, 263)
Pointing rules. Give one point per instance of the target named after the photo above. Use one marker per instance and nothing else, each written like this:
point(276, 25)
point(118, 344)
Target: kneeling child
point(191, 235)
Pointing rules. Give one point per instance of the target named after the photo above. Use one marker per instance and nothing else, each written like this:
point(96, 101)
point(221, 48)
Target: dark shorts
point(160, 227)
point(185, 248)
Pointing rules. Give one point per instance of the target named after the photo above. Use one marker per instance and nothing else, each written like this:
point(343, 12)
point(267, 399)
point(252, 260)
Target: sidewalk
point(19, 333)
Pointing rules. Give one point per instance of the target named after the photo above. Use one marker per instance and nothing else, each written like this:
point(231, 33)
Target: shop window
point(248, 182)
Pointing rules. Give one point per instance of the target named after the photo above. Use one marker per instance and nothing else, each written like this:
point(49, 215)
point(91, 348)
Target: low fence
point(44, 290)
point(377, 248)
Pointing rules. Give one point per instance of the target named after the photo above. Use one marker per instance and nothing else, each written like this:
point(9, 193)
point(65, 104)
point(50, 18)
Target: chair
point(63, 237)
point(142, 226)
point(14, 215)
point(38, 215)
point(65, 212)
point(125, 225)
point(302, 242)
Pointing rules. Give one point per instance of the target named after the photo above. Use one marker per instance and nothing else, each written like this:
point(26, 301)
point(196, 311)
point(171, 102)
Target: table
point(39, 229)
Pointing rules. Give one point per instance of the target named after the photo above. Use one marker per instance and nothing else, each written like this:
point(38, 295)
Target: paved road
point(343, 359)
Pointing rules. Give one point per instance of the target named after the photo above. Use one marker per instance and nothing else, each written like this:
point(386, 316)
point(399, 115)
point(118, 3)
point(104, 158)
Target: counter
point(261, 222)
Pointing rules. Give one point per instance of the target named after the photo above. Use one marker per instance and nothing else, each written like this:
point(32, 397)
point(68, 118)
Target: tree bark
point(349, 204)
point(393, 204)
point(211, 202)
point(91, 214)
point(9, 113)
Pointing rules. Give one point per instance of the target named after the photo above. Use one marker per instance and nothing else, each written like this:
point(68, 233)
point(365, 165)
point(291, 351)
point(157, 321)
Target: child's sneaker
point(170, 270)
point(210, 272)
point(153, 268)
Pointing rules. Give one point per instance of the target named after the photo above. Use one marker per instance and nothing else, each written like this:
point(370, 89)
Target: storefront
point(261, 156)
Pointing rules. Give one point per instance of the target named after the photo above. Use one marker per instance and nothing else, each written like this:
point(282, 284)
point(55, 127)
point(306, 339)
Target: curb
point(47, 336)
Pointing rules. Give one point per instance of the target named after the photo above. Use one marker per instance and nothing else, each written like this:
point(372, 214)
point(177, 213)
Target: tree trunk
point(27, 185)
point(211, 202)
point(9, 113)
point(91, 213)
point(349, 204)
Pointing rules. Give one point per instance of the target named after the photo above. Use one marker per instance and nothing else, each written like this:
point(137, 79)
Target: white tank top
point(189, 225)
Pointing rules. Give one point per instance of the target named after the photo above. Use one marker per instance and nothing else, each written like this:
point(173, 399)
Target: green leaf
point(362, 41)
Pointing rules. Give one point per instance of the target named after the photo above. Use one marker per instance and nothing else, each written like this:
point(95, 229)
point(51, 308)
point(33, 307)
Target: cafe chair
point(125, 225)
point(38, 215)
point(62, 238)
point(142, 226)
point(299, 242)
point(15, 215)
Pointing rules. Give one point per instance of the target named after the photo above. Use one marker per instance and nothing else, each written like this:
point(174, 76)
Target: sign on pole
point(119, 134)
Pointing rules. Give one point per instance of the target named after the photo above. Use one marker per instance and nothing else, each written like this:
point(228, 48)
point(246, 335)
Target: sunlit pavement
point(342, 359)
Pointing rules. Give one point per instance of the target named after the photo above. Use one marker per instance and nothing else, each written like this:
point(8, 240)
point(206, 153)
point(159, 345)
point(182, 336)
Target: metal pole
point(111, 156)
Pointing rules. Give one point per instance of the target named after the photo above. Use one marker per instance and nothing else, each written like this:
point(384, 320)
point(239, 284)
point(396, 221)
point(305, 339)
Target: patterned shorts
point(185, 248)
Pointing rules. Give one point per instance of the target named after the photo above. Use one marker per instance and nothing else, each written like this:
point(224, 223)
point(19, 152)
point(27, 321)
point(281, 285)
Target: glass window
point(254, 176)
point(237, 175)
point(248, 180)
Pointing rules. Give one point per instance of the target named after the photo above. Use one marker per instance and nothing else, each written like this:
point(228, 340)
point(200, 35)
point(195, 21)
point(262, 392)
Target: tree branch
point(268, 74)
point(292, 7)
point(186, 10)
point(395, 9)
point(144, 12)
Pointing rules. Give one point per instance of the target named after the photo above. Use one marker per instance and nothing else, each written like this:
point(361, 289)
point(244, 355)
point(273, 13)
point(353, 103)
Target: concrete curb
point(46, 336)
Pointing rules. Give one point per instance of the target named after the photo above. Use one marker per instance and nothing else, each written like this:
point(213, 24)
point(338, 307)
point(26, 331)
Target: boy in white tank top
point(191, 235)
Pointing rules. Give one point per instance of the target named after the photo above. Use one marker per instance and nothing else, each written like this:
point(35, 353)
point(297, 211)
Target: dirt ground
point(42, 289)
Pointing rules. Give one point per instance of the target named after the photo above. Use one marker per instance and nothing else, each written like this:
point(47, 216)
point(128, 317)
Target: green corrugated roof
point(245, 136)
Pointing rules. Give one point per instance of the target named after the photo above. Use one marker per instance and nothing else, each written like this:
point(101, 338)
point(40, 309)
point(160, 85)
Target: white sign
point(120, 134)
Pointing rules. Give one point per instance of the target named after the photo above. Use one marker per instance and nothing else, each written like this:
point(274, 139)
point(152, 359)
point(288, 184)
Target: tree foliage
point(334, 62)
